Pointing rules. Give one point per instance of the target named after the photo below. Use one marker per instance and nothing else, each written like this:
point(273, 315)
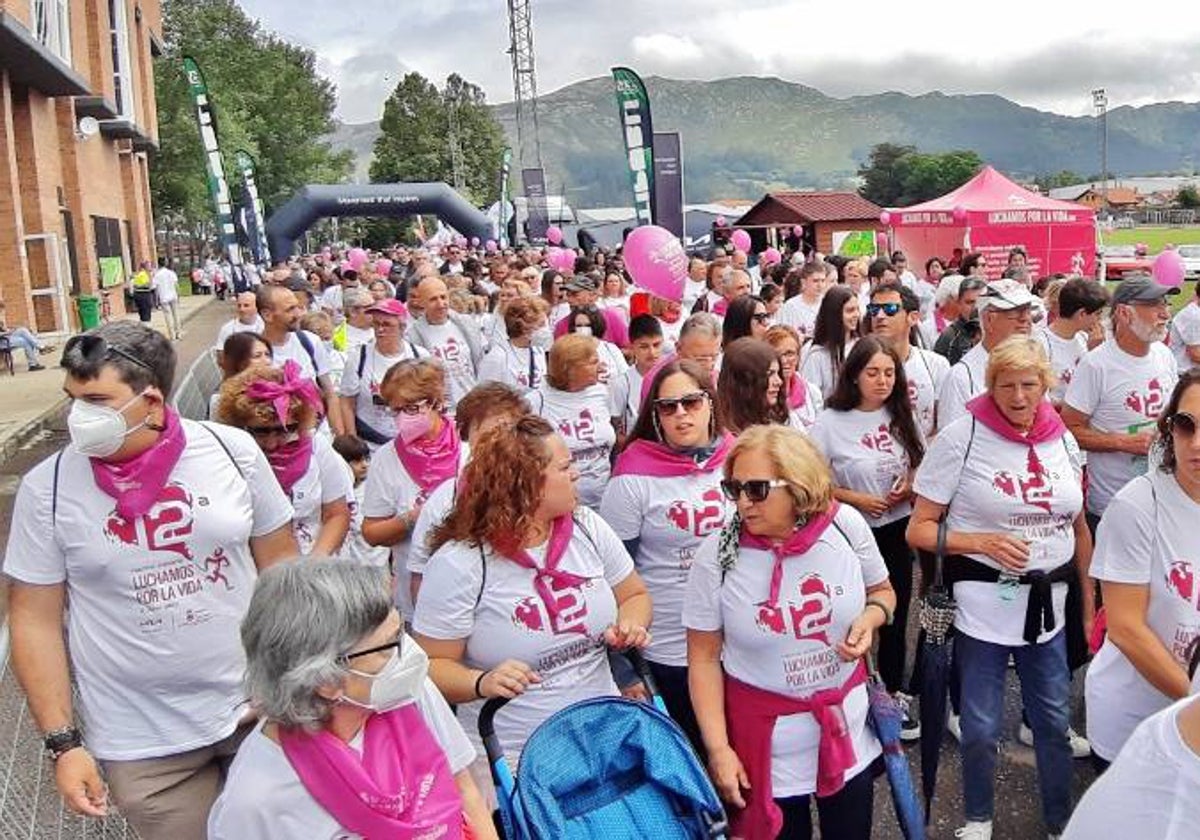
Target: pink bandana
point(290, 461)
point(137, 483)
point(280, 394)
point(657, 460)
point(430, 462)
point(720, 307)
point(797, 394)
point(1047, 426)
point(547, 577)
point(800, 541)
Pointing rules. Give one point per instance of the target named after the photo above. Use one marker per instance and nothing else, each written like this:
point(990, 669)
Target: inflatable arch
point(317, 201)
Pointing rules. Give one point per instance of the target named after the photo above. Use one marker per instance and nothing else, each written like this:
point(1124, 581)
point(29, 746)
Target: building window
point(52, 26)
point(122, 74)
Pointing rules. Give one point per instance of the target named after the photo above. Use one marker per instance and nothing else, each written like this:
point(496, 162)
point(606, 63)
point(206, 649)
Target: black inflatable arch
point(317, 201)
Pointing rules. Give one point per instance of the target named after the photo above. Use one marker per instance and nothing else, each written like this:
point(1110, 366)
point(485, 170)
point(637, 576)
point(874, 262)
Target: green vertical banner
point(633, 106)
point(218, 186)
point(505, 170)
point(254, 207)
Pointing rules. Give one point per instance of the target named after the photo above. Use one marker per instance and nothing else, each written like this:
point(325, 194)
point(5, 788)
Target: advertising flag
point(218, 185)
point(668, 182)
point(633, 106)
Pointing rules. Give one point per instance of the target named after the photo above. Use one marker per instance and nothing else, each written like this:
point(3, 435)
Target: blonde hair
point(796, 461)
point(1019, 353)
point(1050, 295)
point(566, 353)
point(413, 381)
point(779, 333)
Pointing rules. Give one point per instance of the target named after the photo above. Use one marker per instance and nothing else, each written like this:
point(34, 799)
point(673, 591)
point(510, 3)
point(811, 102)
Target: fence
point(195, 391)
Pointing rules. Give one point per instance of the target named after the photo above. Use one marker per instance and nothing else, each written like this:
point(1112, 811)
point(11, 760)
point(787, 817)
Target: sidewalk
point(28, 399)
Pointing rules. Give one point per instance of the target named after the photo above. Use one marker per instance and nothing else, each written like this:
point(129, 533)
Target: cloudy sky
point(1047, 54)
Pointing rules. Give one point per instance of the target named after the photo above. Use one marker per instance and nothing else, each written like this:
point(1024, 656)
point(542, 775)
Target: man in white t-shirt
point(281, 313)
point(1120, 388)
point(1184, 334)
point(800, 311)
point(695, 287)
point(625, 389)
point(449, 336)
point(1080, 304)
point(247, 319)
point(357, 328)
point(153, 527)
point(331, 298)
point(893, 316)
point(165, 283)
point(1005, 309)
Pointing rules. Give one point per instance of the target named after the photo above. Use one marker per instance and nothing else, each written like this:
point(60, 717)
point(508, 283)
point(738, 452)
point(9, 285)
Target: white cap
point(1005, 295)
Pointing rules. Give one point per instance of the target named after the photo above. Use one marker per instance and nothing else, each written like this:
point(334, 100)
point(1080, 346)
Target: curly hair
point(237, 409)
point(501, 486)
point(484, 401)
point(1166, 420)
point(414, 380)
point(742, 387)
point(522, 316)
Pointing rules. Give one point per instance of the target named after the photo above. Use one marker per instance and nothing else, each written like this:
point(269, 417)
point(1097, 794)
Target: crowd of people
point(454, 474)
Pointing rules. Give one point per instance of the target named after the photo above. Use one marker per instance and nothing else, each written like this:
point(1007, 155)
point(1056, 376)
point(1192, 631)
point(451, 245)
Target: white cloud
point(667, 49)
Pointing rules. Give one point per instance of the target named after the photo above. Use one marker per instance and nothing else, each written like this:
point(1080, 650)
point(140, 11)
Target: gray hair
point(135, 339)
point(701, 323)
point(303, 618)
point(356, 296)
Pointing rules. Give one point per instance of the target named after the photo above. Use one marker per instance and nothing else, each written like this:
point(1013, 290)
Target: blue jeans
point(23, 338)
point(1045, 690)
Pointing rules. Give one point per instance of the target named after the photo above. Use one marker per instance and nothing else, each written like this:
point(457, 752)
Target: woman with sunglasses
point(804, 399)
point(1004, 479)
point(781, 608)
point(351, 723)
point(281, 409)
point(834, 334)
point(525, 587)
point(663, 501)
point(871, 440)
point(1143, 546)
point(750, 389)
point(589, 320)
point(746, 317)
point(425, 452)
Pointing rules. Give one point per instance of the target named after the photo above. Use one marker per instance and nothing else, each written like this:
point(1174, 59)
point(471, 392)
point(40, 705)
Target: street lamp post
point(1100, 101)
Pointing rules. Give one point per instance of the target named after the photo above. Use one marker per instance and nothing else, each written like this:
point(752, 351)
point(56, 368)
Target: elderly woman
point(281, 410)
point(517, 360)
point(589, 320)
point(1149, 594)
point(1006, 480)
point(363, 407)
point(834, 334)
point(352, 726)
point(577, 405)
point(525, 588)
point(804, 399)
point(663, 501)
point(780, 610)
point(425, 452)
point(750, 387)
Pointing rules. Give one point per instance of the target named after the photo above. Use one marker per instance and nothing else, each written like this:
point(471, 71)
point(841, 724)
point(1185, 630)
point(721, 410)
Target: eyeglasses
point(268, 431)
point(669, 406)
point(397, 644)
point(1183, 423)
point(761, 317)
point(888, 309)
point(94, 350)
point(413, 409)
point(756, 490)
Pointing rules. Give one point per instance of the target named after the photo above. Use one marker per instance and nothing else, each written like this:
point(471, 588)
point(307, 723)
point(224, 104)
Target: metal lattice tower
point(520, 33)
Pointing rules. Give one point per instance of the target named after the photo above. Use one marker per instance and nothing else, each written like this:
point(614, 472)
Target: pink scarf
point(547, 578)
point(801, 540)
point(290, 461)
point(939, 321)
point(430, 462)
point(720, 307)
point(657, 460)
point(280, 394)
point(797, 394)
point(137, 482)
point(401, 787)
point(1047, 426)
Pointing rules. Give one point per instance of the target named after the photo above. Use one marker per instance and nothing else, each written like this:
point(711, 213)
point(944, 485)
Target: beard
point(1148, 333)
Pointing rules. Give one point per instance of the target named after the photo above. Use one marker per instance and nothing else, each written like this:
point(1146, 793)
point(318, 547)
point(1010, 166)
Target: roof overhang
point(29, 62)
point(95, 106)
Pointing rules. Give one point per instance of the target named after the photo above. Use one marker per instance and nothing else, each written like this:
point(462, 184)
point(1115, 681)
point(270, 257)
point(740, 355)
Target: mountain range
point(745, 136)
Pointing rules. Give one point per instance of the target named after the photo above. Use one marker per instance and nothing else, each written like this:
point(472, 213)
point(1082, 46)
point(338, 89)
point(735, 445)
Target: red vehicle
point(1119, 261)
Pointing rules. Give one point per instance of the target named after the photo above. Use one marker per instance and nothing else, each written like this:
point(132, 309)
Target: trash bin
point(89, 312)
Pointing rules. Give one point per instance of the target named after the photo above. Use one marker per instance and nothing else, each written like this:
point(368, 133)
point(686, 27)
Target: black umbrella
point(937, 617)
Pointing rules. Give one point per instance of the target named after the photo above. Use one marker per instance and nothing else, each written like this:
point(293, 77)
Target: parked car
point(1119, 261)
point(1191, 260)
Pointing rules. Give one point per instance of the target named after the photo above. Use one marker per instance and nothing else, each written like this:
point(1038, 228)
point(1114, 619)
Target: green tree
point(925, 176)
point(881, 175)
point(1188, 197)
point(1064, 178)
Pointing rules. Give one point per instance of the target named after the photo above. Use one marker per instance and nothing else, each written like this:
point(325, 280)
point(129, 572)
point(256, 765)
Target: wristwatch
point(59, 742)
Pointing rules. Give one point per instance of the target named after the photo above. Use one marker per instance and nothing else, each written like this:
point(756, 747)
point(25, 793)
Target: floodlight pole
point(1100, 101)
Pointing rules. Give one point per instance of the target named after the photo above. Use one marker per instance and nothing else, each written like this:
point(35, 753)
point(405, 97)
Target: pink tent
point(990, 214)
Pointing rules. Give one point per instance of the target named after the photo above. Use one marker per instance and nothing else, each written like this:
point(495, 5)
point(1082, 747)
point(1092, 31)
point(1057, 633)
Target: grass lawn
point(1153, 237)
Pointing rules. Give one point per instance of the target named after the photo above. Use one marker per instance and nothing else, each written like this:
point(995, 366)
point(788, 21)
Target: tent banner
point(633, 105)
point(1051, 249)
point(218, 185)
point(668, 182)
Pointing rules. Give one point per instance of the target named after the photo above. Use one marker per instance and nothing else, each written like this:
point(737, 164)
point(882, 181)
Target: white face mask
point(583, 331)
point(542, 337)
point(98, 431)
point(398, 681)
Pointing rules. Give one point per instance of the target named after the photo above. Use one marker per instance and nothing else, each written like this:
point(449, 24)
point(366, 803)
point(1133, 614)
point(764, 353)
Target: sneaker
point(1080, 748)
point(954, 726)
point(975, 831)
point(910, 727)
point(33, 368)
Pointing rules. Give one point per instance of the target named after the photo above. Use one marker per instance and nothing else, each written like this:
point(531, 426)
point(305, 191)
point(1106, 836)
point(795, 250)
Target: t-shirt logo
point(450, 352)
point(698, 521)
point(809, 616)
point(913, 392)
point(1181, 579)
point(878, 440)
point(570, 614)
point(165, 527)
point(1148, 404)
point(583, 428)
point(1033, 489)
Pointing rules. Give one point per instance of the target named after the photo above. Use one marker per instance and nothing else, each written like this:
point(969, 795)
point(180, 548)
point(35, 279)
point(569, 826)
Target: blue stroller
point(604, 768)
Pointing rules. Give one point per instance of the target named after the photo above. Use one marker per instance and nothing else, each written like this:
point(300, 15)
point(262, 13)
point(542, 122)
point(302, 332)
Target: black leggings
point(846, 815)
point(898, 558)
point(673, 688)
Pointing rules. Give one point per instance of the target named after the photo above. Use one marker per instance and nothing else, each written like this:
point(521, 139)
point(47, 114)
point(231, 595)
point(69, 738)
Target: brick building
point(77, 119)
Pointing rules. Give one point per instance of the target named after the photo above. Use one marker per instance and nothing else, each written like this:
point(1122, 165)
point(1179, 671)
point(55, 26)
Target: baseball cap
point(580, 283)
point(1142, 290)
point(388, 306)
point(1005, 295)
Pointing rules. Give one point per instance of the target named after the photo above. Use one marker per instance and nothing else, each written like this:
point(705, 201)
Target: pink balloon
point(357, 258)
point(881, 242)
point(474, 241)
point(771, 256)
point(885, 218)
point(740, 240)
point(960, 213)
point(657, 262)
point(797, 230)
point(562, 260)
point(490, 246)
point(554, 235)
point(1169, 269)
point(721, 221)
point(383, 266)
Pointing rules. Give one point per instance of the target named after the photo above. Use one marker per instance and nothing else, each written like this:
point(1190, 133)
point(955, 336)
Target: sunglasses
point(756, 490)
point(94, 350)
point(761, 317)
point(888, 309)
point(669, 406)
point(1183, 423)
point(268, 431)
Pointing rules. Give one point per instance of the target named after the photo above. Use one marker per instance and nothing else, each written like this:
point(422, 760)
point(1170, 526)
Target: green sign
point(633, 106)
point(112, 272)
point(854, 243)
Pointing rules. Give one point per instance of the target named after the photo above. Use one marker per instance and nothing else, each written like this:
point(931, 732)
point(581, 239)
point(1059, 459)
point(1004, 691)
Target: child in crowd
point(357, 455)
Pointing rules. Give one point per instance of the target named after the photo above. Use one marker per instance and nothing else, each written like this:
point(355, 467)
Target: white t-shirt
point(1184, 332)
point(1064, 355)
point(264, 799)
point(155, 604)
point(966, 380)
point(798, 313)
point(625, 397)
point(166, 283)
point(447, 342)
point(582, 418)
point(817, 368)
point(236, 326)
point(612, 361)
point(1151, 790)
point(500, 616)
point(990, 489)
point(1124, 394)
point(331, 299)
point(294, 350)
point(435, 510)
point(327, 480)
point(693, 290)
point(356, 548)
point(524, 368)
point(926, 372)
point(670, 517)
point(1147, 538)
point(864, 455)
point(358, 336)
point(801, 419)
point(364, 389)
point(792, 650)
